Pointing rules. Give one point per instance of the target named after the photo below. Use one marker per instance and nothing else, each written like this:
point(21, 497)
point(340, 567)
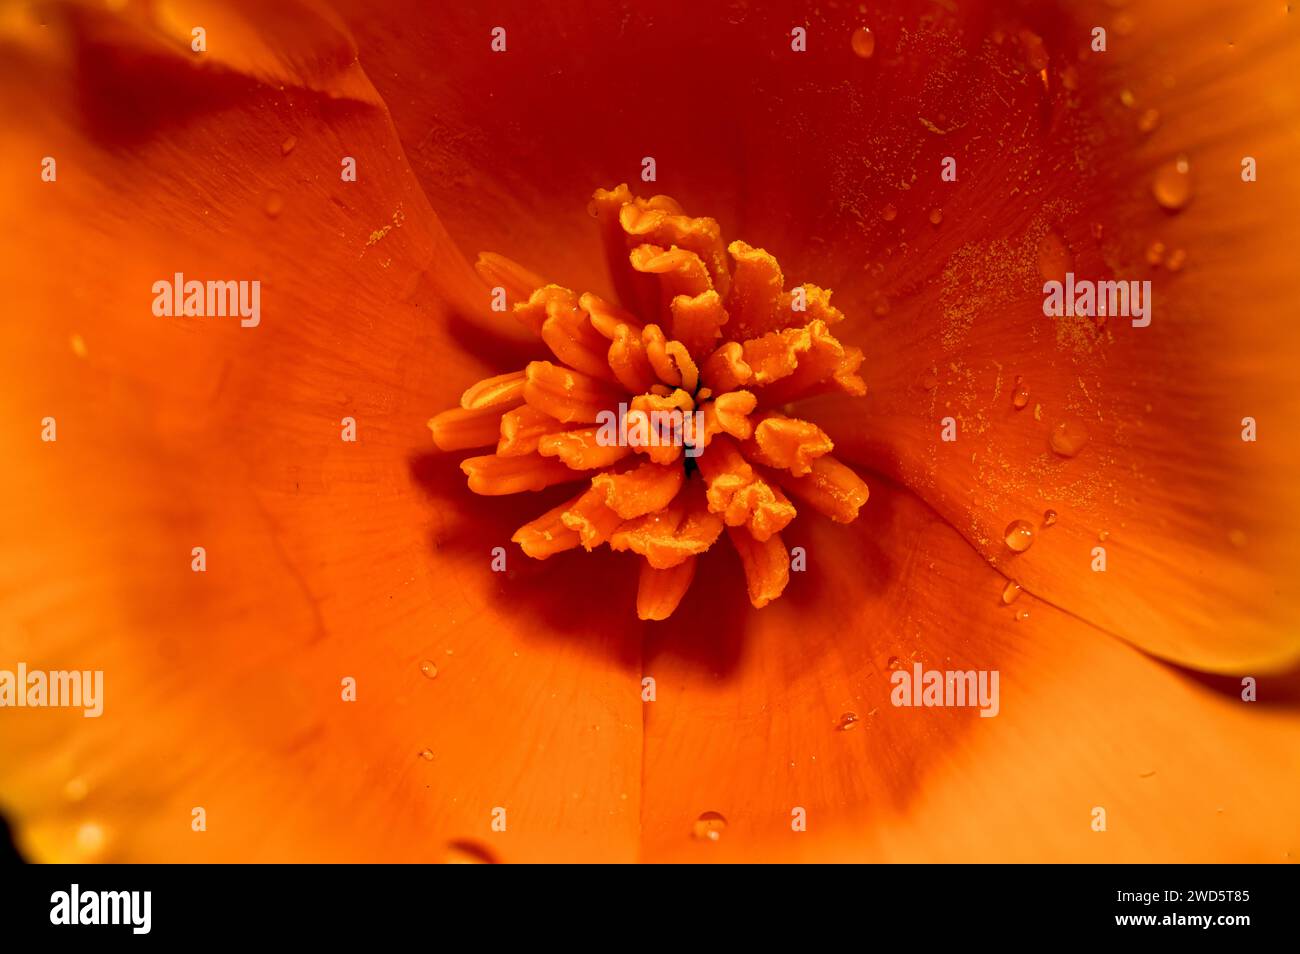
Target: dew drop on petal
point(288, 145)
point(1172, 186)
point(936, 216)
point(1177, 258)
point(429, 669)
point(1019, 396)
point(863, 42)
point(426, 754)
point(1049, 518)
point(1022, 616)
point(274, 204)
point(1068, 438)
point(1020, 535)
point(90, 838)
point(468, 853)
point(76, 789)
point(1237, 538)
point(1155, 253)
point(889, 213)
point(1010, 593)
point(1103, 536)
point(1054, 258)
point(847, 721)
point(895, 663)
point(709, 826)
point(1127, 98)
point(1149, 120)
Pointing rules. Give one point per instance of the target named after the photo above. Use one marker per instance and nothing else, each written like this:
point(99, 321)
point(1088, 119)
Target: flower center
point(670, 407)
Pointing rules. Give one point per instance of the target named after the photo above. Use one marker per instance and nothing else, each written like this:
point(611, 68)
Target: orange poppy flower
point(306, 649)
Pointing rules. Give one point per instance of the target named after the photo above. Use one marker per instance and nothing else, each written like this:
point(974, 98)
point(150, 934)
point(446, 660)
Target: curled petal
point(726, 369)
point(641, 490)
point(676, 534)
point(581, 449)
point(548, 535)
point(830, 488)
point(499, 271)
point(565, 394)
point(521, 429)
point(697, 321)
point(505, 390)
point(729, 414)
point(461, 429)
point(659, 591)
point(590, 518)
point(766, 563)
point(495, 476)
point(739, 494)
point(787, 443)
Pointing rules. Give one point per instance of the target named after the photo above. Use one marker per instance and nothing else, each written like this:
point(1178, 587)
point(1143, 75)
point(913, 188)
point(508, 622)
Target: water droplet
point(1054, 258)
point(1103, 536)
point(1022, 616)
point(1176, 260)
point(895, 663)
point(429, 669)
point(288, 145)
point(1148, 121)
point(1035, 54)
point(90, 838)
point(274, 204)
point(709, 826)
point(1237, 538)
point(1068, 438)
point(1155, 253)
point(889, 213)
point(1019, 396)
point(881, 306)
point(1020, 535)
point(1070, 78)
point(863, 42)
point(75, 790)
point(936, 216)
point(1127, 98)
point(848, 721)
point(1172, 185)
point(1049, 518)
point(78, 345)
point(1010, 593)
point(468, 853)
point(426, 754)
point(593, 209)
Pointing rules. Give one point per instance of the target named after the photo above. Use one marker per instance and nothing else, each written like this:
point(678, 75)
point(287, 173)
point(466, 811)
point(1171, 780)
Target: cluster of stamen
point(701, 328)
